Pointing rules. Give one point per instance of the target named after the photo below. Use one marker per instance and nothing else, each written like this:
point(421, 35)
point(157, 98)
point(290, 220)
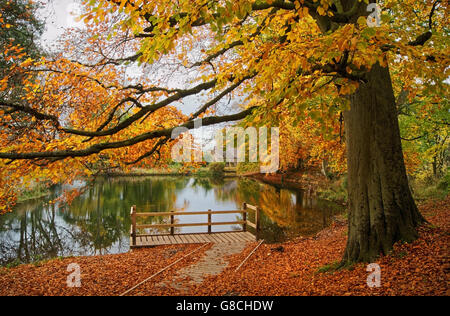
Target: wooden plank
point(239, 237)
point(204, 237)
point(251, 224)
point(133, 225)
point(166, 240)
point(144, 240)
point(248, 237)
point(236, 236)
point(177, 239)
point(244, 237)
point(249, 206)
point(217, 238)
point(231, 237)
point(251, 236)
point(196, 238)
point(172, 240)
point(153, 214)
point(192, 239)
point(186, 237)
point(201, 237)
point(184, 240)
point(212, 238)
point(228, 238)
point(221, 237)
point(189, 239)
point(189, 224)
point(159, 240)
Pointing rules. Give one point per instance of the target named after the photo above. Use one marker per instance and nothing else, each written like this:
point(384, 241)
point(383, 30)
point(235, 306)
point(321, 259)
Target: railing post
point(244, 215)
point(209, 221)
point(172, 221)
point(133, 225)
point(257, 222)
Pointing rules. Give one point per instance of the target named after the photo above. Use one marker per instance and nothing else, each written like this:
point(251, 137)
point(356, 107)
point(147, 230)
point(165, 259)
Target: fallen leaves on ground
point(419, 268)
point(100, 275)
point(291, 268)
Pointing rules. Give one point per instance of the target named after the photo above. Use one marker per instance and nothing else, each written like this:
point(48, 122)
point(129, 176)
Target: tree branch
point(95, 149)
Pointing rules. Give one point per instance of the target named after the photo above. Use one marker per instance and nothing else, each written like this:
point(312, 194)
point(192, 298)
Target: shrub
point(217, 169)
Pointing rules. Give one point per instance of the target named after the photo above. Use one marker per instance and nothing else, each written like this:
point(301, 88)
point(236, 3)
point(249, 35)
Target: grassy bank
point(35, 191)
point(210, 170)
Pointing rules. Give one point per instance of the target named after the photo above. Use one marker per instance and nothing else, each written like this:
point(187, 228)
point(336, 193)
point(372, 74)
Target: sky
point(59, 15)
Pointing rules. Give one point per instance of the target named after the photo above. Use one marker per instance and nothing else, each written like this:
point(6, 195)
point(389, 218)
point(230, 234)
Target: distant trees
point(20, 31)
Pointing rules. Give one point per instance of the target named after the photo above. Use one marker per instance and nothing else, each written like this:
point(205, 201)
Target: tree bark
point(382, 209)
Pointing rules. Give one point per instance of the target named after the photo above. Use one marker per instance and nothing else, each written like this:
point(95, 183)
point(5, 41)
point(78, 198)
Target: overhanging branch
point(95, 149)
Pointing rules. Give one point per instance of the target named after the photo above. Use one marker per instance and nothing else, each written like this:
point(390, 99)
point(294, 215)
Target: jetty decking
point(155, 240)
point(150, 240)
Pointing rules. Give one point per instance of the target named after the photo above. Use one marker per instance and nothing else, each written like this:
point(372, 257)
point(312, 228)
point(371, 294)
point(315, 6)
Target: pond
point(98, 221)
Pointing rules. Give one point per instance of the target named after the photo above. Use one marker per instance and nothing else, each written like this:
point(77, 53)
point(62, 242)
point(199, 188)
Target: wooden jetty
point(148, 240)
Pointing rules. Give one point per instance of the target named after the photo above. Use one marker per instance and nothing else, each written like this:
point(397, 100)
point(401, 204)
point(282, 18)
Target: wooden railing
point(244, 222)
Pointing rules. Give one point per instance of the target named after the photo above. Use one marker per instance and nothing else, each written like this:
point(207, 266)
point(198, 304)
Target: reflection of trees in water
point(32, 234)
point(95, 223)
point(226, 191)
point(102, 213)
point(285, 212)
point(98, 221)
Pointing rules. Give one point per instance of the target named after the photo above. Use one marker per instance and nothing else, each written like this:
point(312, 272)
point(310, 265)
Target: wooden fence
point(244, 222)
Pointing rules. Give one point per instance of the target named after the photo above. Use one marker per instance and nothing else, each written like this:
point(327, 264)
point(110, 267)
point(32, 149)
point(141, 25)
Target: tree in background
point(20, 32)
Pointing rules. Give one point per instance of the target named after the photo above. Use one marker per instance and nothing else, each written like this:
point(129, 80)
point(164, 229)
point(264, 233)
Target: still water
point(98, 221)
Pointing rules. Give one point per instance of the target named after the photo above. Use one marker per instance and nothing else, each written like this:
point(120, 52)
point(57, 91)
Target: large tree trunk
point(382, 209)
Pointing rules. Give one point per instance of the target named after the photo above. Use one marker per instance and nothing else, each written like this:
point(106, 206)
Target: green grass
point(248, 167)
point(37, 261)
point(36, 192)
point(336, 191)
point(329, 268)
point(431, 189)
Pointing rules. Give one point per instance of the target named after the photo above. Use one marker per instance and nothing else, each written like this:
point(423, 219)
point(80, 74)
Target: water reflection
point(98, 222)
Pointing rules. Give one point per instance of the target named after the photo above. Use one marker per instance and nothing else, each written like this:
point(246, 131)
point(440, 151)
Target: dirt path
point(213, 262)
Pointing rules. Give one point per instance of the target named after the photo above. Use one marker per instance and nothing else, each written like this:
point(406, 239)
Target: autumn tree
point(274, 55)
point(19, 28)
point(20, 25)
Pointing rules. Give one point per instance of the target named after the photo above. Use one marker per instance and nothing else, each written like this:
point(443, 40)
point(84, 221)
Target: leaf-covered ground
point(100, 275)
point(292, 268)
point(420, 268)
